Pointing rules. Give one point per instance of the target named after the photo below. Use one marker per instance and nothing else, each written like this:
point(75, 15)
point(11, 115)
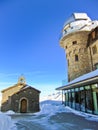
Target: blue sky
point(29, 40)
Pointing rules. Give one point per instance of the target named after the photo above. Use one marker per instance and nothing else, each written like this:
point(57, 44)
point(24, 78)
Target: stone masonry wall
point(94, 56)
point(83, 65)
point(10, 91)
point(32, 97)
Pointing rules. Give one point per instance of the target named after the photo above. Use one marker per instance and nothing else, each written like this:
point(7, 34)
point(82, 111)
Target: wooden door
point(23, 107)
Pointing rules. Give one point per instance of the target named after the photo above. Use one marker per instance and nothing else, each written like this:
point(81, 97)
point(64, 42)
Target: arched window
point(76, 58)
point(94, 49)
point(93, 35)
point(68, 62)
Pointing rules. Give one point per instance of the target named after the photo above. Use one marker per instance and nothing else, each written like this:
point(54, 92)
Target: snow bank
point(6, 122)
point(50, 107)
point(10, 112)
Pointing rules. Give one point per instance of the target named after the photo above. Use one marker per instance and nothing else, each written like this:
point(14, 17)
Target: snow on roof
point(80, 79)
point(27, 86)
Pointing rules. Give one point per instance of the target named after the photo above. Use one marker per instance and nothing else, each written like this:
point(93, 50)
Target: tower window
point(94, 49)
point(93, 35)
point(85, 49)
point(65, 31)
point(74, 42)
point(96, 66)
point(68, 62)
point(66, 56)
point(69, 53)
point(76, 58)
point(74, 51)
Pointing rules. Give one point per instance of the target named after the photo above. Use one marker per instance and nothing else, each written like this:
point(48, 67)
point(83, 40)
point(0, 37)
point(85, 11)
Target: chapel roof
point(22, 82)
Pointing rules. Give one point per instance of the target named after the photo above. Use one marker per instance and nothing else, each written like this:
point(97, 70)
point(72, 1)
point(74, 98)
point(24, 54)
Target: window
point(66, 56)
point(93, 35)
point(68, 62)
point(74, 51)
point(69, 53)
point(94, 49)
point(76, 58)
point(85, 49)
point(80, 50)
point(65, 31)
point(9, 99)
point(96, 66)
point(74, 42)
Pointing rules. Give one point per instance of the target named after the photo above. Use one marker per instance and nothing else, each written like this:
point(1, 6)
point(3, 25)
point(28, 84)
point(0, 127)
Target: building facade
point(20, 98)
point(80, 41)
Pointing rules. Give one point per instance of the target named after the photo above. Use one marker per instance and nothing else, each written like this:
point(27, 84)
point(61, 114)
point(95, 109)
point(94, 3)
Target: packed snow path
point(60, 121)
point(54, 116)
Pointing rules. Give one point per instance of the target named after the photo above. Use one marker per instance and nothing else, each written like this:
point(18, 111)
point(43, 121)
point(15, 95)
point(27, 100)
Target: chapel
point(20, 98)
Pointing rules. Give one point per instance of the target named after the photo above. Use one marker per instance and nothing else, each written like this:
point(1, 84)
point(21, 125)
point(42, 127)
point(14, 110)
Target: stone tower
point(74, 40)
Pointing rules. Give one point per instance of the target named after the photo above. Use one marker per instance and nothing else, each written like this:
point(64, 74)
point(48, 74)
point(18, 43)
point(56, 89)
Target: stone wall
point(94, 56)
point(30, 94)
point(83, 64)
point(10, 91)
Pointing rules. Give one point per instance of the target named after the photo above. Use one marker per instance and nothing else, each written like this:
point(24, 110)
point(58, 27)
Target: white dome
point(77, 17)
point(78, 22)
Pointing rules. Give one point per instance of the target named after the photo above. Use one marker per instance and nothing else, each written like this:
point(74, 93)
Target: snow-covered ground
point(6, 122)
point(53, 116)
